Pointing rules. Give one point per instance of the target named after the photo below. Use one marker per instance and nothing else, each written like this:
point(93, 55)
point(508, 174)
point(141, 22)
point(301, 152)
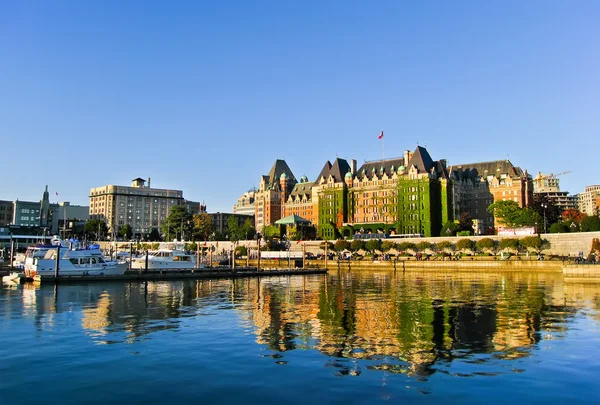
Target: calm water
point(342, 338)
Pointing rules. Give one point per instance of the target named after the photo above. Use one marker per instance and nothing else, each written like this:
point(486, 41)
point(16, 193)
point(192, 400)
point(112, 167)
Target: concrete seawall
point(582, 272)
point(459, 265)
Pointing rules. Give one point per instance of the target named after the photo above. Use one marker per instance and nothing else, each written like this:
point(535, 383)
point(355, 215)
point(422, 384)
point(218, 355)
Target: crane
point(551, 177)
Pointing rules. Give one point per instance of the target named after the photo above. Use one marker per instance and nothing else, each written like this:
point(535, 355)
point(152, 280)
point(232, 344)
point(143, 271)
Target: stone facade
point(478, 185)
point(273, 190)
point(588, 200)
point(141, 207)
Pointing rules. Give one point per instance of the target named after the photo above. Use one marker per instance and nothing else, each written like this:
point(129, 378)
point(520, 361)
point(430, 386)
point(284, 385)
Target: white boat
point(74, 262)
point(169, 256)
point(13, 277)
point(40, 250)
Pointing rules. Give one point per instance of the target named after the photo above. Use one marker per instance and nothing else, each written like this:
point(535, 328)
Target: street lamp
point(544, 206)
point(573, 226)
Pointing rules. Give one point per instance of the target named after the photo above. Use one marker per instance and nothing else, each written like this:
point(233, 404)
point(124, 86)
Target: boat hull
point(140, 264)
point(47, 270)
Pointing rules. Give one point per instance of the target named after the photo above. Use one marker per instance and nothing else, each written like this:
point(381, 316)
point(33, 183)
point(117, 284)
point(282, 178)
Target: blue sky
point(204, 96)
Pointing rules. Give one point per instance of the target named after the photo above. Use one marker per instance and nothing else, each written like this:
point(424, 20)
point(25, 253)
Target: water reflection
point(415, 324)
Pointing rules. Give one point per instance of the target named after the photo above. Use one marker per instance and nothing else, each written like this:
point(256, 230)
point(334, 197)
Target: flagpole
point(382, 150)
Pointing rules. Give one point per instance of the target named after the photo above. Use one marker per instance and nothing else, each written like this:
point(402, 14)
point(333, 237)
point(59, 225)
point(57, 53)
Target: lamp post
point(573, 226)
point(544, 206)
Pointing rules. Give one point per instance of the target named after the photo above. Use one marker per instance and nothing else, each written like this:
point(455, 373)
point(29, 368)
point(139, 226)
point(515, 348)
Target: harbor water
point(344, 337)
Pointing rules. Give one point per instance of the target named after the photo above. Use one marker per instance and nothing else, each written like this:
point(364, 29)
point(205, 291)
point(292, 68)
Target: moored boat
point(74, 262)
point(169, 256)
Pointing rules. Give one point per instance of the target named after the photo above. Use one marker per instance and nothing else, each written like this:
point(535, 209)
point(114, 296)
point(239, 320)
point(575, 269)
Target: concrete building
point(220, 219)
point(194, 207)
point(138, 205)
point(478, 185)
point(6, 212)
point(549, 187)
point(245, 204)
point(71, 218)
point(587, 201)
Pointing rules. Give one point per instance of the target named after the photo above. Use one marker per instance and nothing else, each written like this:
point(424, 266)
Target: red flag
point(380, 135)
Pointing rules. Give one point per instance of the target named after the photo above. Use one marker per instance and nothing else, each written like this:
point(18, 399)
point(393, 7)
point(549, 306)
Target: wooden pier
point(172, 274)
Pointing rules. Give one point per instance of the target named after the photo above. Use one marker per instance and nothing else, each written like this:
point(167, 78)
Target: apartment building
point(139, 205)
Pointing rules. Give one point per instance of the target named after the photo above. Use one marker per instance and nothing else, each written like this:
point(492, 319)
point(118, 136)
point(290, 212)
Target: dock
point(165, 275)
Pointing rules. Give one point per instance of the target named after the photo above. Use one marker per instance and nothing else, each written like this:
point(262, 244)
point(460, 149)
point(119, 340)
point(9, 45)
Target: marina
point(364, 336)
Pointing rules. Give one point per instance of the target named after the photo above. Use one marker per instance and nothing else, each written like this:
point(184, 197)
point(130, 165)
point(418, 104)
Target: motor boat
point(169, 256)
point(73, 261)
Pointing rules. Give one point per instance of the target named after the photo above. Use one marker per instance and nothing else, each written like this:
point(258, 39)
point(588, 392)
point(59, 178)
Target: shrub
point(326, 245)
point(511, 244)
point(449, 229)
point(404, 246)
point(486, 244)
point(444, 245)
point(423, 246)
point(558, 228)
point(357, 245)
point(534, 243)
point(590, 224)
point(341, 245)
point(465, 244)
point(387, 245)
point(373, 244)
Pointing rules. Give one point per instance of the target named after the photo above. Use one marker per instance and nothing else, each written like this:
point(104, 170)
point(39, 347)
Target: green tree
point(341, 245)
point(326, 245)
point(444, 246)
point(404, 246)
point(357, 244)
point(424, 246)
point(510, 244)
point(234, 230)
point(449, 229)
point(372, 245)
point(271, 231)
point(590, 224)
point(241, 251)
point(202, 226)
point(486, 245)
point(96, 227)
point(558, 228)
point(248, 230)
point(465, 244)
point(388, 245)
point(126, 232)
point(178, 224)
point(154, 235)
point(546, 208)
point(534, 243)
point(465, 223)
point(506, 212)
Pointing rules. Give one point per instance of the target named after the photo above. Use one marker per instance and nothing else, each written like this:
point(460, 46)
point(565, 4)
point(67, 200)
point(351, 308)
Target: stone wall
point(561, 244)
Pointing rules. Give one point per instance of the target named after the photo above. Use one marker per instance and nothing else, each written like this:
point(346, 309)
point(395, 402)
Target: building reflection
point(403, 323)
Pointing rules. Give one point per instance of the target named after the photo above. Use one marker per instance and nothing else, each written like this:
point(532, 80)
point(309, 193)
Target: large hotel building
point(140, 206)
point(412, 194)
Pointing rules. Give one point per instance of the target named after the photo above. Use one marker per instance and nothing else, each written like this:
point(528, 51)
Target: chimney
point(406, 157)
point(148, 182)
point(353, 166)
